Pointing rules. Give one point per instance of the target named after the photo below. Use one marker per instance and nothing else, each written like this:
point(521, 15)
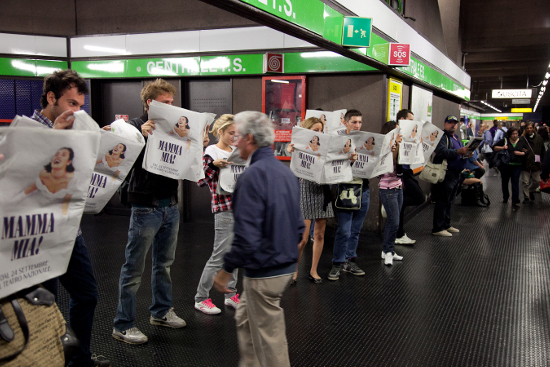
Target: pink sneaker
point(233, 301)
point(207, 307)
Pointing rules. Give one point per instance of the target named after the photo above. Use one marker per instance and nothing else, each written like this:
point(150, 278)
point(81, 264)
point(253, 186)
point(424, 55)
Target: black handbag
point(501, 157)
point(348, 195)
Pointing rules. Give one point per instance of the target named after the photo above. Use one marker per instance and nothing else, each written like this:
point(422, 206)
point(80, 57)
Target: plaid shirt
point(219, 203)
point(37, 116)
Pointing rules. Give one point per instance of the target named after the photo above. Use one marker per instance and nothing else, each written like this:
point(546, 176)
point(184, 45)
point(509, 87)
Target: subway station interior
point(479, 298)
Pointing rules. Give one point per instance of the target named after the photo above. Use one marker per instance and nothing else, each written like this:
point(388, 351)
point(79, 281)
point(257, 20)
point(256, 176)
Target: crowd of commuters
point(250, 233)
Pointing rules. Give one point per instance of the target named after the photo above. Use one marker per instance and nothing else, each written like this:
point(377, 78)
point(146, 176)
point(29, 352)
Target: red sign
point(124, 117)
point(400, 54)
point(274, 63)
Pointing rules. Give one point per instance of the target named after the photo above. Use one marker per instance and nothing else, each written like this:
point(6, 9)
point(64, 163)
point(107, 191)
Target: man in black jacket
point(533, 145)
point(154, 222)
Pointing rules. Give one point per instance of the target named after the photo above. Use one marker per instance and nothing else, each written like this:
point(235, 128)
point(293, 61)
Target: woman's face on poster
point(370, 143)
point(323, 118)
point(182, 122)
point(318, 127)
point(347, 147)
point(61, 159)
point(433, 135)
point(342, 120)
point(315, 140)
point(415, 130)
point(118, 149)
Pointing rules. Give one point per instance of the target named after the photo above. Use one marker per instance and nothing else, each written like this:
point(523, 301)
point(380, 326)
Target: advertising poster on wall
point(175, 148)
point(44, 176)
point(421, 103)
point(395, 98)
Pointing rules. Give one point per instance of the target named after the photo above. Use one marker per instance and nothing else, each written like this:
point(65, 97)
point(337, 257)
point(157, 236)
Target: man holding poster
point(154, 222)
point(63, 94)
point(350, 222)
point(450, 147)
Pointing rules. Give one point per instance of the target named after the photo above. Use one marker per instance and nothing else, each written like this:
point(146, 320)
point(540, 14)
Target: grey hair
point(258, 125)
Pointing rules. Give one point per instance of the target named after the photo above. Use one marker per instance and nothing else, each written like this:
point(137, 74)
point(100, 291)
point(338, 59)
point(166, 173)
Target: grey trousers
point(223, 238)
point(530, 180)
point(261, 329)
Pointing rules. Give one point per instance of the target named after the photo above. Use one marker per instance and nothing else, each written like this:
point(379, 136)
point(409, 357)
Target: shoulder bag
point(434, 173)
point(348, 195)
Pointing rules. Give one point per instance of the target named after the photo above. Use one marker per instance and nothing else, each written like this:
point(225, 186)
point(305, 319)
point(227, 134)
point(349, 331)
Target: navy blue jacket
point(446, 150)
point(268, 220)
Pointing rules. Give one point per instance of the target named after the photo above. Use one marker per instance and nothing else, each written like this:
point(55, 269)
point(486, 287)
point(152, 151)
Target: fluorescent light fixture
point(110, 67)
point(308, 55)
point(280, 81)
point(488, 105)
point(547, 76)
point(109, 50)
point(544, 82)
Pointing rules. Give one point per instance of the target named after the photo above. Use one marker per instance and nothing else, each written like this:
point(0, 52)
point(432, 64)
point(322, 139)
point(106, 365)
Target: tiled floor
point(480, 298)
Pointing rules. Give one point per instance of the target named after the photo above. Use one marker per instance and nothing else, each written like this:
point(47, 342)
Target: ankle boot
point(480, 195)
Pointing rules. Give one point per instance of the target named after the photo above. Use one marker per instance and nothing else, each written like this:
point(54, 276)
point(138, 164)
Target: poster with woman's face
point(333, 120)
point(385, 163)
point(431, 135)
point(175, 148)
point(337, 167)
point(411, 130)
point(230, 174)
point(115, 159)
point(368, 150)
point(44, 176)
point(310, 149)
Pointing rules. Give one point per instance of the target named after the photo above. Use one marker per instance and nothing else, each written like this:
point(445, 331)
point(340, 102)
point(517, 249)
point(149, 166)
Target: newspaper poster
point(385, 163)
point(410, 148)
point(333, 120)
point(369, 146)
point(337, 166)
point(44, 176)
point(229, 175)
point(115, 159)
point(431, 135)
point(175, 148)
point(24, 121)
point(310, 150)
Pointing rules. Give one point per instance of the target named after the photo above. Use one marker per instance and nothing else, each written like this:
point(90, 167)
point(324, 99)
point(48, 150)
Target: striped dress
point(311, 201)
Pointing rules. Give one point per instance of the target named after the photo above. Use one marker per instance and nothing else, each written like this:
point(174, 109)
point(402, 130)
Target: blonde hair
point(154, 89)
point(222, 124)
point(309, 122)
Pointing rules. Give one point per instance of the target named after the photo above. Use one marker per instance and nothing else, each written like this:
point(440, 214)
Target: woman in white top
point(214, 159)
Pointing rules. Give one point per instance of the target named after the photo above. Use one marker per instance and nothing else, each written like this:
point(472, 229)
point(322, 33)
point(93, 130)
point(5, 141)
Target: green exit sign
point(357, 32)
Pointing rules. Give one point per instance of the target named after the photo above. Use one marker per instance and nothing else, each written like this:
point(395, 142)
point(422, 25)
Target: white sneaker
point(388, 258)
point(394, 256)
point(130, 336)
point(207, 307)
point(442, 233)
point(383, 212)
point(169, 320)
point(404, 240)
point(232, 301)
point(452, 230)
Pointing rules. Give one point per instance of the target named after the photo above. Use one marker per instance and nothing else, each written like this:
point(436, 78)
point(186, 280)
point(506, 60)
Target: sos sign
point(400, 54)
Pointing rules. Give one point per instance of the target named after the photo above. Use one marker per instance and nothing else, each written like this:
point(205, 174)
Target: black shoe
point(293, 282)
point(334, 273)
point(351, 267)
point(532, 196)
point(100, 361)
point(315, 280)
point(526, 201)
point(515, 205)
point(505, 201)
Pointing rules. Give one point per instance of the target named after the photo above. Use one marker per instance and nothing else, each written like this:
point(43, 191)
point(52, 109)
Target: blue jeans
point(81, 285)
point(392, 199)
point(148, 226)
point(223, 238)
point(510, 173)
point(350, 223)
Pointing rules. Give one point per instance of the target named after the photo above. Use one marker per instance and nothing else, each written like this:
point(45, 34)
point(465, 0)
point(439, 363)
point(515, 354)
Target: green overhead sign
point(357, 32)
point(30, 67)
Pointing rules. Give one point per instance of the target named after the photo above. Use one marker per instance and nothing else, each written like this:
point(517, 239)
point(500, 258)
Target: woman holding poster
point(214, 159)
point(315, 202)
point(391, 196)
